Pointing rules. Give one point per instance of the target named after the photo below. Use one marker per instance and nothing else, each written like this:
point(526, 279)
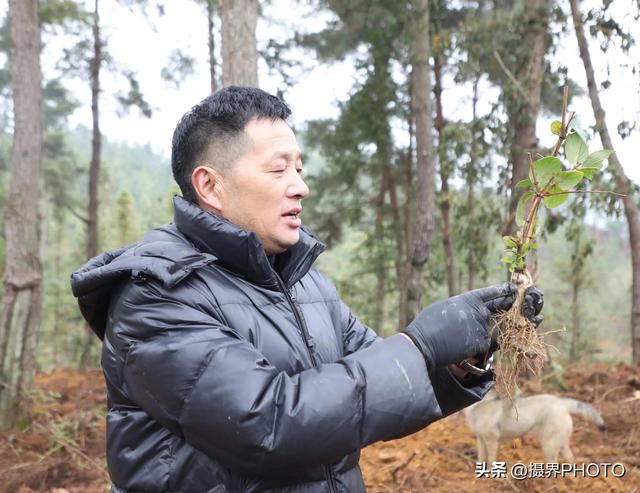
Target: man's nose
point(298, 187)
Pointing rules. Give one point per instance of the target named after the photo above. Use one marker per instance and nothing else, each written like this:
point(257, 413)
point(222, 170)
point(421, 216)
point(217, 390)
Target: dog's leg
point(482, 449)
point(555, 435)
point(491, 444)
point(550, 451)
point(567, 453)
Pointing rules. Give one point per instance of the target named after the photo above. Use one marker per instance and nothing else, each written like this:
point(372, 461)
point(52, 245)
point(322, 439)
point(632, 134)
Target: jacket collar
point(240, 251)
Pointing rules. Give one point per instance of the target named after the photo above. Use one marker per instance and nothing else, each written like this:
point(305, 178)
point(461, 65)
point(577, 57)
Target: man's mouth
point(295, 212)
point(293, 217)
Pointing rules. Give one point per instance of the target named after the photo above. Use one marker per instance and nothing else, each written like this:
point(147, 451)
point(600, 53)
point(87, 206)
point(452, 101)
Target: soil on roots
point(522, 351)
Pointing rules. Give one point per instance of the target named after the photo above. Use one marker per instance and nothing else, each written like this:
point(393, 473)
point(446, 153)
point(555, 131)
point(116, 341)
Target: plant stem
point(528, 226)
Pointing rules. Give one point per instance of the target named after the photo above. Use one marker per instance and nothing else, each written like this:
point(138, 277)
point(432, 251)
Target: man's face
point(263, 190)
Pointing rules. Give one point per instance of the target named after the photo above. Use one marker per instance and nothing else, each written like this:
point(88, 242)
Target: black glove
point(532, 305)
point(457, 328)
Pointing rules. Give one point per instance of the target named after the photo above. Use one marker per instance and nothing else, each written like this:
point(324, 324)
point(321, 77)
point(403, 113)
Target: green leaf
point(553, 201)
point(545, 168)
point(556, 127)
point(521, 210)
point(589, 171)
point(526, 183)
point(595, 159)
point(509, 242)
point(575, 148)
point(519, 263)
point(506, 260)
point(567, 180)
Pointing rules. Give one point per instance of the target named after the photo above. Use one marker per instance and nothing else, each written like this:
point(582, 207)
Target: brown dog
point(546, 416)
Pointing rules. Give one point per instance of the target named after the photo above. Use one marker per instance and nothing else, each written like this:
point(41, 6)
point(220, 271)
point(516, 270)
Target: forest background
point(415, 119)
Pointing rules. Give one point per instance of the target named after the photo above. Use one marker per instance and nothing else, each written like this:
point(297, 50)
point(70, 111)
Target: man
point(231, 365)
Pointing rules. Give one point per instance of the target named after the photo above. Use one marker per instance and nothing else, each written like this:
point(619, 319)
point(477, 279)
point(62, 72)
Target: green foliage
point(179, 67)
point(543, 170)
point(133, 97)
point(522, 206)
point(575, 149)
point(65, 13)
point(550, 181)
point(594, 259)
point(135, 197)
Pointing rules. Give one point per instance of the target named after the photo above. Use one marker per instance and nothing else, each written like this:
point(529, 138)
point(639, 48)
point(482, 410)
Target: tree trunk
point(622, 182)
point(378, 248)
point(22, 302)
point(239, 48)
point(473, 157)
point(94, 168)
point(524, 104)
point(407, 180)
point(575, 316)
point(421, 108)
point(212, 53)
point(400, 257)
point(445, 200)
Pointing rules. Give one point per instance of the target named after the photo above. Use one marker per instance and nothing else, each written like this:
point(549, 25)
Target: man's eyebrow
point(287, 155)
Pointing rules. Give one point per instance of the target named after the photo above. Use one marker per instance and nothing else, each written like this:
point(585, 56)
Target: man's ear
point(208, 185)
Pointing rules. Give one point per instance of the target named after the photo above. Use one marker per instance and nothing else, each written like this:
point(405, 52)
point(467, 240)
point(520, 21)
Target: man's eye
point(300, 171)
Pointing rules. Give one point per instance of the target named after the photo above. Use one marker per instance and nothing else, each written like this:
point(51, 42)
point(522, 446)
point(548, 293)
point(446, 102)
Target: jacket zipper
point(306, 337)
point(310, 344)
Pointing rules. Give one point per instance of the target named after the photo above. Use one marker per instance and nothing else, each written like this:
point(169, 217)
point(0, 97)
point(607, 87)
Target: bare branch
point(75, 213)
point(512, 78)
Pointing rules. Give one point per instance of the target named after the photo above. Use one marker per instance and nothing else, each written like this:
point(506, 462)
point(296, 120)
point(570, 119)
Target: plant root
point(522, 350)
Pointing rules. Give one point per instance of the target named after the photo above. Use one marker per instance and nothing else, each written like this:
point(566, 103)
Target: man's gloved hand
point(532, 305)
point(457, 328)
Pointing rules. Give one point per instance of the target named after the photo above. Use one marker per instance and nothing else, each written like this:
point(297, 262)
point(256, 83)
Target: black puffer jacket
point(228, 373)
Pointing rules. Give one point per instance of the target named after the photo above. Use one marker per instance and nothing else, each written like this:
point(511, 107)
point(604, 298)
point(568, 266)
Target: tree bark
point(523, 111)
point(22, 302)
point(473, 157)
point(445, 200)
point(400, 257)
point(94, 168)
point(239, 48)
point(575, 316)
point(425, 174)
point(211, 43)
point(96, 142)
point(380, 271)
point(407, 181)
point(622, 182)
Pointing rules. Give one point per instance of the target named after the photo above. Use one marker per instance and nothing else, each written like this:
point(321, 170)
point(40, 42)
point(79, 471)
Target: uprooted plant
point(549, 184)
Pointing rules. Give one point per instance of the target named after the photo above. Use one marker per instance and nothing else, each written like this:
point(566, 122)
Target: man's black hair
point(211, 132)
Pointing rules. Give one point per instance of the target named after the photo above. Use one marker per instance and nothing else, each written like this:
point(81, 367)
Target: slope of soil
point(62, 450)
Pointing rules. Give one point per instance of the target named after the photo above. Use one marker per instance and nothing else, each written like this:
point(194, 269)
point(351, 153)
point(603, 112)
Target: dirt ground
point(62, 450)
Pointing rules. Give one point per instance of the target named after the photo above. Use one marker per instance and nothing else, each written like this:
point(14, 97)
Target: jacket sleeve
point(204, 382)
point(356, 335)
point(451, 393)
point(454, 395)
